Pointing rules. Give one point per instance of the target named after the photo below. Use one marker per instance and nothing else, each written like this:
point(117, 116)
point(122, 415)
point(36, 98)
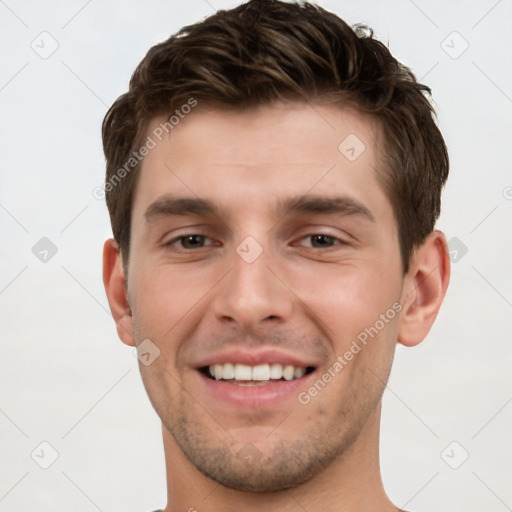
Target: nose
point(253, 293)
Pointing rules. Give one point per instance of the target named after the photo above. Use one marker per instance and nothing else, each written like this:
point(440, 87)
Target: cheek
point(350, 298)
point(162, 297)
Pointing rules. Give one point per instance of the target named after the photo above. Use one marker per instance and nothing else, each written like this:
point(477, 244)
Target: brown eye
point(321, 240)
point(192, 241)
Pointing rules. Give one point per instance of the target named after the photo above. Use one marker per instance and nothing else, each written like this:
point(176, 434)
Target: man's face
point(284, 252)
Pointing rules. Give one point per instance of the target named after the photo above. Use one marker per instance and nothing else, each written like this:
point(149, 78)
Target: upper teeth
point(260, 372)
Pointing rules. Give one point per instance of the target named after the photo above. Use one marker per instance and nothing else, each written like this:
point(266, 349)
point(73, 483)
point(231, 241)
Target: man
point(273, 181)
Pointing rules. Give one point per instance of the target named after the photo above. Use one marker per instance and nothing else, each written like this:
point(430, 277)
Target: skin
point(307, 295)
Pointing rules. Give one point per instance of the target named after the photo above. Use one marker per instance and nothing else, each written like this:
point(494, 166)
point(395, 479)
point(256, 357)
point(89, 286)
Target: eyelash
point(183, 237)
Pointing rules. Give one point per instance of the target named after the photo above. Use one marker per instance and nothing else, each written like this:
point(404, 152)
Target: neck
point(352, 482)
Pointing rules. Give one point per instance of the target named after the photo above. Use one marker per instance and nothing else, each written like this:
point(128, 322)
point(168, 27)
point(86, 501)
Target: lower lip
point(258, 397)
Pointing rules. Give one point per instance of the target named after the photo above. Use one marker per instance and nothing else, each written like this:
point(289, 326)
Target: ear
point(117, 294)
point(424, 289)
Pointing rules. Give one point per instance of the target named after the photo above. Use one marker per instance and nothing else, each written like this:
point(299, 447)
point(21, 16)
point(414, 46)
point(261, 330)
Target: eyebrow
point(344, 205)
point(169, 205)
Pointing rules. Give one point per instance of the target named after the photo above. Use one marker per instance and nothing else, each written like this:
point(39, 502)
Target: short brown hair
point(268, 50)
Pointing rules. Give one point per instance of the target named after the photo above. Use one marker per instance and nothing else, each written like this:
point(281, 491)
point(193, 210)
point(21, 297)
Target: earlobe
point(115, 287)
point(424, 289)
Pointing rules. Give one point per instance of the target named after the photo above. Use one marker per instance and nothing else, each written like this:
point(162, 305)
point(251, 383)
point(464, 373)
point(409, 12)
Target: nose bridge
point(251, 292)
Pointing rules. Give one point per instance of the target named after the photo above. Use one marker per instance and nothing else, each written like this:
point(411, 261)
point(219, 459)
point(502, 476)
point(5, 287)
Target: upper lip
point(255, 357)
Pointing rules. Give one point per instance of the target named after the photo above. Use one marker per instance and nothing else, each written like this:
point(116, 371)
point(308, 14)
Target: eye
point(192, 241)
point(322, 241)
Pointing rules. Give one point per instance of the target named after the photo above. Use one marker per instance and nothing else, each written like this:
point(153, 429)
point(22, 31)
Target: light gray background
point(67, 380)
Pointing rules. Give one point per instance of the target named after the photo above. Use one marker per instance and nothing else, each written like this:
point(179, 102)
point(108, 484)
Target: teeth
point(228, 372)
point(261, 372)
point(218, 371)
point(276, 371)
point(243, 372)
point(299, 372)
point(288, 372)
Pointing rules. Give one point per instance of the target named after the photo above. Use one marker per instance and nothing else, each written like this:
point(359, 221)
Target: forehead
point(247, 159)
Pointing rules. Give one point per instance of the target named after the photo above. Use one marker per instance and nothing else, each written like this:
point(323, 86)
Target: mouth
point(262, 378)
point(259, 375)
point(265, 386)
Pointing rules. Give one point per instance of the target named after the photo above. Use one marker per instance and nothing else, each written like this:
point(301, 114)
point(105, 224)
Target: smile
point(261, 378)
point(259, 375)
